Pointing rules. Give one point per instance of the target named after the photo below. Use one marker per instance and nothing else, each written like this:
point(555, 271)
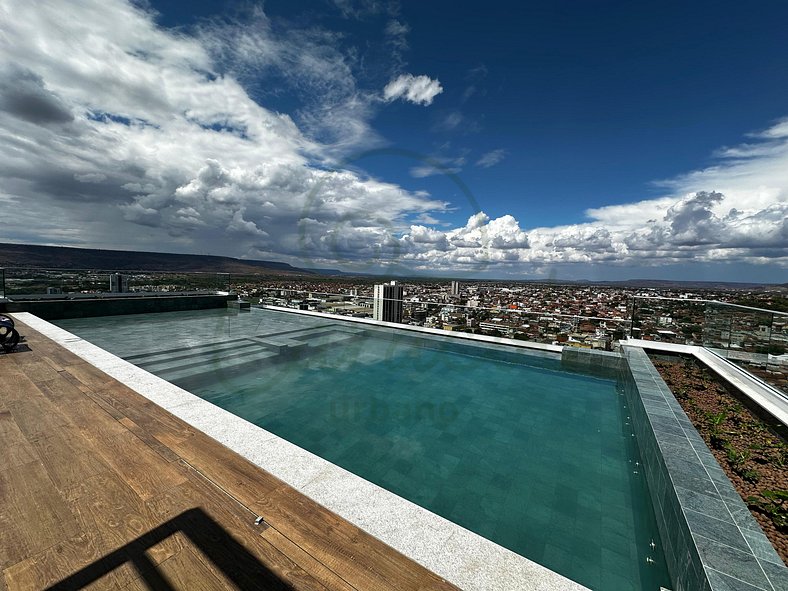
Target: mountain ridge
point(67, 257)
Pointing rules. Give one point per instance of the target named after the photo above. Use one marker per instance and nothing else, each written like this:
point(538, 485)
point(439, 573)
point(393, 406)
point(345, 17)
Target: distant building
point(53, 290)
point(387, 302)
point(117, 283)
point(455, 288)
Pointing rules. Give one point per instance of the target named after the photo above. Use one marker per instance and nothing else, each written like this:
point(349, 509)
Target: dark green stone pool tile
point(675, 446)
point(612, 580)
point(734, 563)
point(742, 517)
point(777, 575)
point(761, 546)
point(654, 396)
point(722, 582)
point(685, 422)
point(701, 503)
point(643, 376)
point(687, 569)
point(698, 485)
point(719, 477)
point(683, 465)
point(658, 410)
point(725, 532)
point(666, 425)
point(705, 456)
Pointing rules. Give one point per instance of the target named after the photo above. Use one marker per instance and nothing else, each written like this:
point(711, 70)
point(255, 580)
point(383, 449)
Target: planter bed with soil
point(748, 444)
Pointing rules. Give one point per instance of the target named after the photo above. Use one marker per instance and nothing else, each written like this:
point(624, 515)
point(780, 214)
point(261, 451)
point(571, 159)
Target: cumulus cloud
point(143, 137)
point(482, 242)
point(419, 90)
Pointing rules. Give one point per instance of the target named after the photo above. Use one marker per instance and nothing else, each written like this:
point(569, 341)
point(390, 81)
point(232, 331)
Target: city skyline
point(563, 142)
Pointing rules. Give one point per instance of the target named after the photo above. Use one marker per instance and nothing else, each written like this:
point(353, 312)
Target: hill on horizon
point(66, 257)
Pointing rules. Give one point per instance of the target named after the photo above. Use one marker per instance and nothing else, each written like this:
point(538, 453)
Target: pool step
point(186, 362)
point(151, 359)
point(214, 358)
point(290, 337)
point(206, 366)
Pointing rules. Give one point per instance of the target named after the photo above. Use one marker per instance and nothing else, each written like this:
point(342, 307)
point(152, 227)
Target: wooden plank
point(35, 368)
point(89, 375)
point(36, 417)
point(106, 505)
point(67, 460)
point(226, 468)
point(146, 414)
point(62, 560)
point(15, 449)
point(141, 468)
point(92, 420)
point(356, 556)
point(186, 571)
point(15, 385)
point(33, 516)
point(13, 545)
point(263, 563)
point(107, 406)
point(54, 363)
point(165, 452)
point(309, 563)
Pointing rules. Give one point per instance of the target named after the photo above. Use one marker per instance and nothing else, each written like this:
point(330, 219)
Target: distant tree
point(777, 303)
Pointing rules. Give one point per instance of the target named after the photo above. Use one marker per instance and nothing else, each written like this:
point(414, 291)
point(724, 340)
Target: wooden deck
point(102, 489)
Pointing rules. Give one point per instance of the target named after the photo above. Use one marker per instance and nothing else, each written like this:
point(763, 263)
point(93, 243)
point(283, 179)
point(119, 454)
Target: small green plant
point(773, 503)
point(751, 475)
point(715, 421)
point(736, 458)
point(782, 455)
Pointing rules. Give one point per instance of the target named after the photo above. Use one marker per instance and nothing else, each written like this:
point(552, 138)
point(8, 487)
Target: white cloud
point(491, 158)
point(449, 122)
point(420, 90)
point(140, 137)
point(131, 138)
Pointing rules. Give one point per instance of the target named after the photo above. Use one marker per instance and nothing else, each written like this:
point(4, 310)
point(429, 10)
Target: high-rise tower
point(387, 302)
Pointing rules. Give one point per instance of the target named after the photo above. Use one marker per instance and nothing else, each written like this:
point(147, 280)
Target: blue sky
point(599, 140)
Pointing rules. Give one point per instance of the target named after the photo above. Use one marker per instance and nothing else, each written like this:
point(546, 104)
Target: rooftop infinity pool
point(501, 441)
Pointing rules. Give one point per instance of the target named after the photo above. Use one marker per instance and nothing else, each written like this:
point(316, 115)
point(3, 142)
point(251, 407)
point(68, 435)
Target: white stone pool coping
point(460, 556)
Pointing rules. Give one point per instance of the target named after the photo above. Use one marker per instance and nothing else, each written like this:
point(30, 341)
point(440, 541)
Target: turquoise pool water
point(507, 444)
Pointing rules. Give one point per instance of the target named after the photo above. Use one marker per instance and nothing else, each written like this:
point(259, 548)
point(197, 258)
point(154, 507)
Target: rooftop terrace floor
point(102, 489)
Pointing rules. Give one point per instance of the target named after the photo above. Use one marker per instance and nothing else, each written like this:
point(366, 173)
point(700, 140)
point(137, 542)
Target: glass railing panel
point(753, 339)
point(33, 283)
point(53, 283)
point(173, 282)
point(668, 320)
point(510, 322)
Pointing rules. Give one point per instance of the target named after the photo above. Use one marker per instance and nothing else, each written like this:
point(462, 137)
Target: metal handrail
point(717, 302)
